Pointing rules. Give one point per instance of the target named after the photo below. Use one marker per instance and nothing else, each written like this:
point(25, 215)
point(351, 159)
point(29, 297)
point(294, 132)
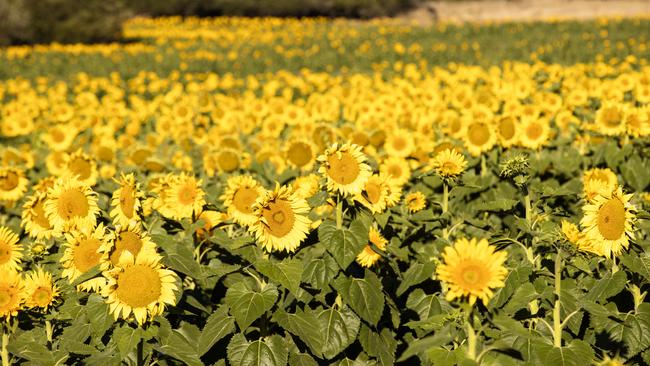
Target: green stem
point(339, 213)
point(529, 210)
point(49, 331)
point(614, 265)
point(140, 360)
point(5, 353)
point(557, 321)
point(483, 165)
point(445, 207)
point(471, 341)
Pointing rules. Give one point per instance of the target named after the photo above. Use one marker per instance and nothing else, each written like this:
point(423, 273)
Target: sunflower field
point(237, 191)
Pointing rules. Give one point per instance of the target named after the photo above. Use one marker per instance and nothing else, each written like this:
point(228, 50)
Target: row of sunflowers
point(437, 215)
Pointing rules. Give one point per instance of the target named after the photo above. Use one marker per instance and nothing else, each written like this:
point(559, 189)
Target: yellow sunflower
point(449, 163)
point(210, 219)
point(396, 169)
point(399, 143)
point(301, 153)
point(579, 239)
point(12, 294)
point(34, 219)
point(344, 169)
point(126, 201)
point(368, 256)
point(415, 201)
point(239, 198)
point(306, 186)
point(598, 180)
point(40, 290)
point(282, 221)
point(13, 184)
point(59, 137)
point(508, 130)
point(71, 205)
point(131, 238)
point(535, 133)
point(472, 268)
point(82, 166)
point(184, 196)
point(479, 137)
point(609, 221)
point(375, 193)
point(82, 253)
point(56, 162)
point(139, 287)
point(11, 252)
point(610, 119)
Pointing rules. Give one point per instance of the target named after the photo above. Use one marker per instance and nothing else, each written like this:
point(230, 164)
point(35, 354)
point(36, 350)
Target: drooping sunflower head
point(139, 287)
point(449, 163)
point(472, 269)
point(211, 219)
point(10, 251)
point(12, 294)
point(609, 221)
point(598, 180)
point(34, 219)
point(83, 251)
point(375, 193)
point(369, 255)
point(71, 205)
point(126, 201)
point(40, 290)
point(13, 184)
point(282, 222)
point(415, 201)
point(239, 197)
point(132, 238)
point(344, 168)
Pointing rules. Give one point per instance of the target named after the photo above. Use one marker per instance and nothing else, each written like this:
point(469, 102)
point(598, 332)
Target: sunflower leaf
point(177, 347)
point(607, 286)
point(344, 243)
point(248, 304)
point(338, 328)
point(286, 273)
point(363, 295)
point(219, 325)
point(270, 351)
point(417, 273)
point(301, 324)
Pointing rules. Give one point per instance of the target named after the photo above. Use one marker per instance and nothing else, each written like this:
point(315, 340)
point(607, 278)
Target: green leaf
point(421, 345)
point(219, 325)
point(501, 204)
point(577, 353)
point(417, 273)
point(248, 304)
point(636, 174)
point(523, 295)
point(177, 347)
point(301, 359)
point(89, 274)
point(442, 357)
point(345, 243)
point(301, 324)
point(637, 263)
point(514, 279)
point(382, 346)
point(178, 255)
point(268, 352)
point(607, 286)
point(363, 295)
point(236, 348)
point(286, 273)
point(338, 328)
point(319, 272)
point(425, 305)
point(634, 331)
point(98, 315)
point(127, 339)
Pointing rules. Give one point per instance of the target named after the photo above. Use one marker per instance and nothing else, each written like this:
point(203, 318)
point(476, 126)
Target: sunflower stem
point(529, 211)
point(5, 352)
point(49, 331)
point(614, 265)
point(140, 360)
point(339, 213)
point(471, 337)
point(483, 165)
point(445, 206)
point(557, 321)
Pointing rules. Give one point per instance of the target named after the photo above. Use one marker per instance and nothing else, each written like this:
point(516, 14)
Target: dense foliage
point(376, 210)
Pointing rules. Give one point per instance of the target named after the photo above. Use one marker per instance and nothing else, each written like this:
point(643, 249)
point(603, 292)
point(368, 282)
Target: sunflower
point(598, 180)
point(126, 201)
point(60, 137)
point(396, 169)
point(535, 133)
point(11, 293)
point(368, 256)
point(449, 163)
point(610, 119)
point(508, 131)
point(479, 137)
point(56, 162)
point(415, 201)
point(344, 169)
point(374, 194)
point(282, 221)
point(82, 253)
point(71, 205)
point(210, 219)
point(131, 238)
point(34, 219)
point(82, 166)
point(301, 153)
point(13, 184)
point(10, 251)
point(184, 196)
point(139, 287)
point(399, 143)
point(472, 268)
point(40, 290)
point(609, 221)
point(306, 186)
point(239, 198)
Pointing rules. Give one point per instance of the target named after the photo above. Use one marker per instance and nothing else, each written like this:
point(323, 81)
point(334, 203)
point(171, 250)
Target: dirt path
point(500, 10)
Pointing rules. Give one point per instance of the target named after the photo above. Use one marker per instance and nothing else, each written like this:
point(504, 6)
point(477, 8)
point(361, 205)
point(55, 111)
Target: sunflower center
point(343, 168)
point(57, 135)
point(39, 215)
point(127, 201)
point(80, 167)
point(299, 153)
point(86, 254)
point(478, 133)
point(105, 153)
point(507, 128)
point(140, 155)
point(279, 218)
point(243, 199)
point(42, 296)
point(611, 219)
point(9, 181)
point(187, 194)
point(472, 276)
point(127, 240)
point(228, 161)
point(449, 166)
point(7, 296)
point(399, 143)
point(72, 204)
point(534, 131)
point(395, 171)
point(378, 138)
point(138, 286)
point(612, 118)
point(373, 192)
